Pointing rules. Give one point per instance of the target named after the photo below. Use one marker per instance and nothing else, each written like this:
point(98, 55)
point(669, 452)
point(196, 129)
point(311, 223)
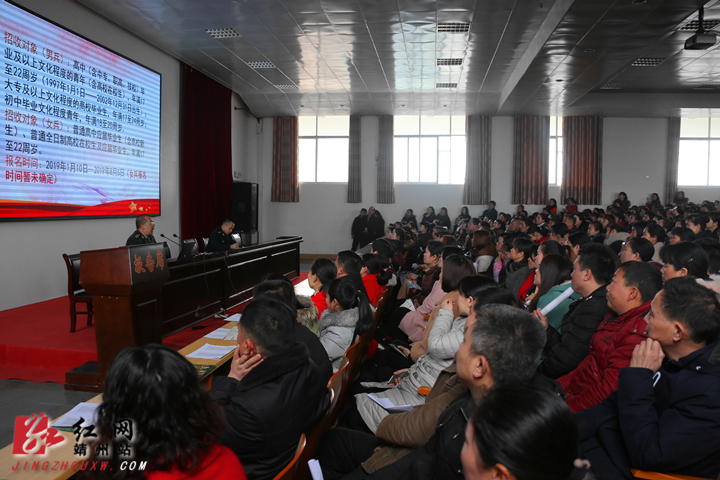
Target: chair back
point(72, 262)
point(335, 385)
point(288, 472)
point(237, 238)
point(354, 356)
point(205, 243)
point(312, 444)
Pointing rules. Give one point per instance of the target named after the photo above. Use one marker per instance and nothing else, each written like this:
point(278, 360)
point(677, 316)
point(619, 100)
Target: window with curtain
point(429, 149)
point(699, 158)
point(323, 149)
point(556, 151)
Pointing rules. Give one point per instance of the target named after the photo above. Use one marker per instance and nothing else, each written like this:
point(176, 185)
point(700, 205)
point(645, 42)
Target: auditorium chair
point(663, 476)
point(76, 293)
point(205, 243)
point(353, 355)
point(313, 439)
point(335, 385)
point(288, 472)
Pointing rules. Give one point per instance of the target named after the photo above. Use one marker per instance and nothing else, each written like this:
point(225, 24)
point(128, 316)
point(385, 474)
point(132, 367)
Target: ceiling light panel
point(222, 32)
point(693, 25)
point(260, 64)
point(441, 62)
point(453, 27)
point(647, 62)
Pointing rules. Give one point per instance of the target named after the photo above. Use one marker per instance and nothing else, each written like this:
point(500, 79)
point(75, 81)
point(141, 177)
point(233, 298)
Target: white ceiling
point(373, 57)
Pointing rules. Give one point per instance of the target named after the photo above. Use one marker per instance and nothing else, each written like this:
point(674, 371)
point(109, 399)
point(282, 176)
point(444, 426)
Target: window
point(429, 150)
point(699, 160)
point(323, 149)
point(556, 151)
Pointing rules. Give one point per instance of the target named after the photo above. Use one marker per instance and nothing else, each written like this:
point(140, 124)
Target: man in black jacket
point(221, 238)
point(593, 270)
point(273, 392)
point(358, 229)
point(664, 416)
point(282, 290)
point(501, 343)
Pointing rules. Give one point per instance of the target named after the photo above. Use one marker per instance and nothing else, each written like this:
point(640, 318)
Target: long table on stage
point(202, 286)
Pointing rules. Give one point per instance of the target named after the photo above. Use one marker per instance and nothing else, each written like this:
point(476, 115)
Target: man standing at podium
point(144, 231)
point(221, 238)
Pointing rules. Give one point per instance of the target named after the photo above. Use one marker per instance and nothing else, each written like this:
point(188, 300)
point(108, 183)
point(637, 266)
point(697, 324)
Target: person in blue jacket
point(665, 414)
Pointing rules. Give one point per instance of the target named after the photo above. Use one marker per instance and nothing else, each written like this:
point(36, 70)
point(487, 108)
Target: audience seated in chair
point(500, 344)
point(628, 295)
point(176, 426)
point(273, 393)
point(664, 415)
point(348, 316)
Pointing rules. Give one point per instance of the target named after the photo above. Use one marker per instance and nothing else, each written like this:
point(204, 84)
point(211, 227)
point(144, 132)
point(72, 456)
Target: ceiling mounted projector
point(701, 40)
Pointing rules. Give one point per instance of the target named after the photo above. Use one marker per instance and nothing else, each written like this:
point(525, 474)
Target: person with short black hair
point(628, 296)
point(566, 348)
point(656, 235)
point(273, 393)
point(349, 264)
point(680, 234)
point(221, 239)
point(177, 423)
point(685, 258)
point(596, 232)
point(322, 272)
point(522, 433)
point(637, 249)
point(490, 213)
point(518, 270)
point(664, 415)
point(143, 234)
point(283, 291)
point(357, 229)
point(697, 224)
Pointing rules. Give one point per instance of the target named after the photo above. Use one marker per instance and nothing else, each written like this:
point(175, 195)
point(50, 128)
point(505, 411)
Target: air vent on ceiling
point(647, 62)
point(707, 87)
point(222, 32)
point(449, 61)
point(446, 85)
point(693, 25)
point(453, 28)
point(260, 65)
point(613, 86)
point(287, 87)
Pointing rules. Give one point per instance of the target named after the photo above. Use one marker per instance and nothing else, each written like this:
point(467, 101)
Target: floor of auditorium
point(21, 398)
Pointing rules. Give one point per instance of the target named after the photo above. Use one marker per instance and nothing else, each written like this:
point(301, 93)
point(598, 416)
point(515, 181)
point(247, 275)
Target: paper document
point(388, 405)
point(414, 285)
point(212, 352)
point(315, 469)
point(85, 410)
point(219, 333)
point(234, 318)
point(303, 288)
point(408, 304)
point(232, 334)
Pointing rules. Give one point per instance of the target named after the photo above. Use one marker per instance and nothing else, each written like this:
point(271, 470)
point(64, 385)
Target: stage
point(37, 345)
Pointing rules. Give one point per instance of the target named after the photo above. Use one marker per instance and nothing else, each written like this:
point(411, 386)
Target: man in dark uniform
point(221, 239)
point(144, 231)
point(358, 228)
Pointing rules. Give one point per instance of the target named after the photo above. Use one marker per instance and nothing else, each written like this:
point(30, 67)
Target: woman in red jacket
point(322, 272)
point(375, 275)
point(169, 420)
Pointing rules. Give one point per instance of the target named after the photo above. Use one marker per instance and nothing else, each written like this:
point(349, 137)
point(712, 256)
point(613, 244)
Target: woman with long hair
point(464, 215)
point(176, 426)
point(444, 218)
point(348, 315)
point(552, 278)
point(322, 272)
point(429, 215)
point(410, 218)
point(443, 337)
point(483, 250)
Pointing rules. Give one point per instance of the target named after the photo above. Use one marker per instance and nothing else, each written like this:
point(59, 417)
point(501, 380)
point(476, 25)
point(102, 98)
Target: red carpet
point(37, 345)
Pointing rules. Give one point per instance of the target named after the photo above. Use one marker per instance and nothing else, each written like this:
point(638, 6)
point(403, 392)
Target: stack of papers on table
point(212, 352)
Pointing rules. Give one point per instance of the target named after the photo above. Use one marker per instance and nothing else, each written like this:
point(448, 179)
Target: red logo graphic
point(32, 435)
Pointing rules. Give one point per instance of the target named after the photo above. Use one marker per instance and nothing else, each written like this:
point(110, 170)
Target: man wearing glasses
point(144, 231)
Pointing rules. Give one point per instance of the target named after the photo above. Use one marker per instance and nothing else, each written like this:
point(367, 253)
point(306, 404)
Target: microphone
point(178, 237)
point(166, 238)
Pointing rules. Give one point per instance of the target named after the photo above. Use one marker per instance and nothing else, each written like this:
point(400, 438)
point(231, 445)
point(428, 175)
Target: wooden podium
point(126, 287)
